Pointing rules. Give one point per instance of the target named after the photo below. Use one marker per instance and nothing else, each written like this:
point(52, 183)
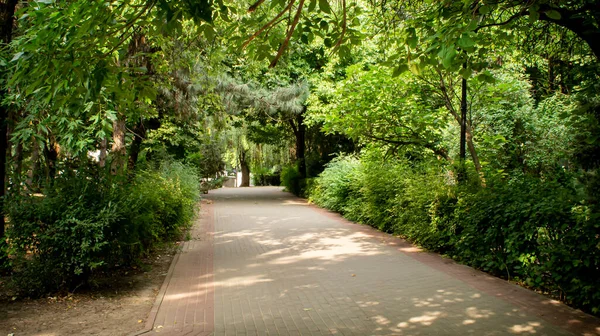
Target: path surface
point(262, 262)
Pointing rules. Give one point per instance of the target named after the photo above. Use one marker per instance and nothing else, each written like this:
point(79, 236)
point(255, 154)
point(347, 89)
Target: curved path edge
point(197, 253)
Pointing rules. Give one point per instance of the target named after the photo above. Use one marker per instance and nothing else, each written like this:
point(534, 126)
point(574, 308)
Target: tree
point(7, 12)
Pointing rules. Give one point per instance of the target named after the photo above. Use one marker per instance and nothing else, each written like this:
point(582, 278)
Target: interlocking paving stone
point(265, 263)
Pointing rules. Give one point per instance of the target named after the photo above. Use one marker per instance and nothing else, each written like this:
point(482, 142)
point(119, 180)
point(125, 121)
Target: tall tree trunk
point(463, 120)
point(7, 14)
point(462, 170)
point(457, 117)
point(102, 156)
point(51, 152)
point(299, 130)
point(136, 146)
point(17, 157)
point(301, 144)
point(118, 150)
point(34, 169)
point(245, 169)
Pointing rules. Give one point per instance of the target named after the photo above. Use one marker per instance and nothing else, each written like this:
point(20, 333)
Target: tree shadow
point(280, 267)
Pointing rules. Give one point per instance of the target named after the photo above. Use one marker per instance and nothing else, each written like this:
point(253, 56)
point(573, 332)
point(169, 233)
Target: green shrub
point(83, 223)
point(290, 179)
point(333, 187)
point(5, 261)
point(540, 232)
point(266, 178)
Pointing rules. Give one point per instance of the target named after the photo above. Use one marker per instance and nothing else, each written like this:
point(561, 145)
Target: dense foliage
point(542, 233)
point(84, 224)
point(470, 127)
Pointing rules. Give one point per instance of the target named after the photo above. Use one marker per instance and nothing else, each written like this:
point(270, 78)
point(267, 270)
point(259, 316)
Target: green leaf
point(17, 56)
point(484, 9)
point(465, 41)
point(466, 72)
point(553, 14)
point(324, 6)
point(486, 77)
point(449, 58)
point(399, 70)
point(209, 32)
point(414, 68)
point(533, 15)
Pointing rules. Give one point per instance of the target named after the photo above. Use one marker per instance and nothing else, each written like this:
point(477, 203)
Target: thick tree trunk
point(136, 146)
point(7, 14)
point(245, 169)
point(583, 25)
point(118, 150)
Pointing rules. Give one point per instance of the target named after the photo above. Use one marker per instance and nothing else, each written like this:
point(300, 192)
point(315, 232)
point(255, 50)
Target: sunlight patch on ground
point(381, 320)
point(331, 249)
point(181, 296)
point(411, 249)
point(242, 281)
point(525, 328)
point(424, 320)
point(476, 313)
point(293, 202)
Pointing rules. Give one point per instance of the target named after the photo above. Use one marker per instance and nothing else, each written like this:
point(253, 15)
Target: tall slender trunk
point(462, 171)
point(34, 169)
point(301, 144)
point(468, 129)
point(51, 152)
point(118, 150)
point(299, 130)
point(7, 14)
point(463, 120)
point(136, 146)
point(102, 156)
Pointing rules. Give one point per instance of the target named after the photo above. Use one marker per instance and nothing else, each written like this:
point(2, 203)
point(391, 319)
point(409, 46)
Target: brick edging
point(148, 327)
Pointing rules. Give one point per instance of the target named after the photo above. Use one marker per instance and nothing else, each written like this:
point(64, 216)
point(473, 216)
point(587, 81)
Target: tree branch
point(289, 35)
point(269, 24)
point(344, 27)
point(515, 16)
point(255, 6)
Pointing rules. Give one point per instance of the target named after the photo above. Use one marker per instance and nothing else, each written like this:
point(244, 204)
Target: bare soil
point(116, 305)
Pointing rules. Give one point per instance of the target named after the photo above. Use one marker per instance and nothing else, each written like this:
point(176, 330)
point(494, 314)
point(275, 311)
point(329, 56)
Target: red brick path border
point(185, 303)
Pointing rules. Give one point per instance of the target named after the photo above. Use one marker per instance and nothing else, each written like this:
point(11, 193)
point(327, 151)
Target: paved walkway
point(262, 262)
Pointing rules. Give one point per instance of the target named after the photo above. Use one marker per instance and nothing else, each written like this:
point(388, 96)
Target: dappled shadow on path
point(280, 267)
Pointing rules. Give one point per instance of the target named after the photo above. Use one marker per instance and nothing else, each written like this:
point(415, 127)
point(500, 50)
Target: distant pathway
point(261, 262)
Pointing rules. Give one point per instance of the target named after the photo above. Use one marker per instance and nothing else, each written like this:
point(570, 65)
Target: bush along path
point(542, 234)
point(265, 262)
point(86, 225)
